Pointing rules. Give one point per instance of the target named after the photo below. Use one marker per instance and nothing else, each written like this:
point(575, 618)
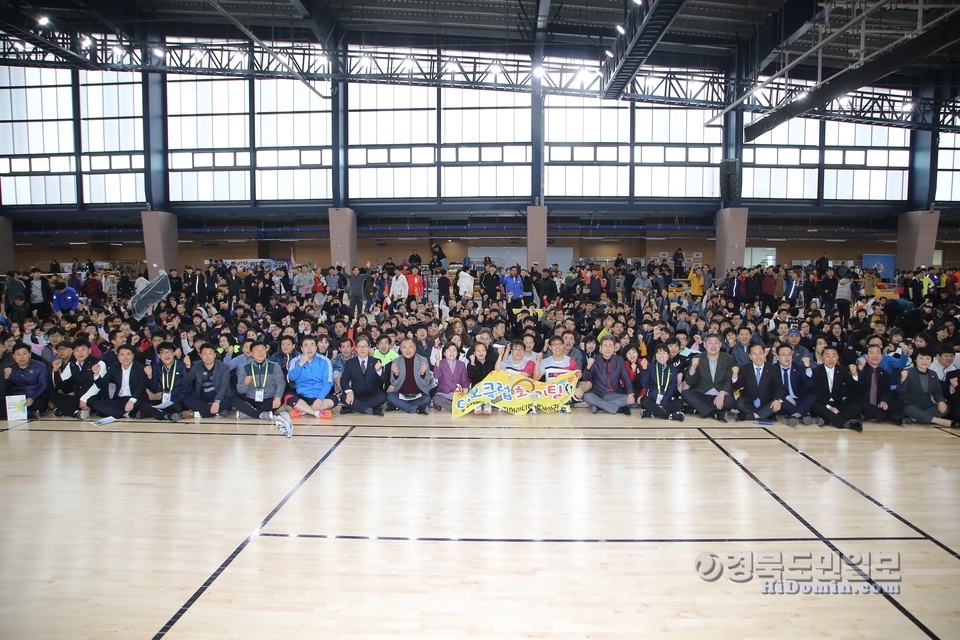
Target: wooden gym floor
point(549, 526)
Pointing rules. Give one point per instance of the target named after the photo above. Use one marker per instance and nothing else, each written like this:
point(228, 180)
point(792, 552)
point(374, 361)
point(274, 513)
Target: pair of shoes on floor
point(283, 423)
point(677, 416)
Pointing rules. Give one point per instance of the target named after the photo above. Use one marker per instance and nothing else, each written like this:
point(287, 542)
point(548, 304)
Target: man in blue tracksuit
point(312, 376)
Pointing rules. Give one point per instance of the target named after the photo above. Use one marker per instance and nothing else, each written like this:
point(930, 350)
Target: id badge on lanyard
point(258, 393)
point(258, 396)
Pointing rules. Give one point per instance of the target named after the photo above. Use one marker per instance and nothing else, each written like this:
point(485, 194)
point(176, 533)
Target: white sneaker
point(283, 423)
point(84, 414)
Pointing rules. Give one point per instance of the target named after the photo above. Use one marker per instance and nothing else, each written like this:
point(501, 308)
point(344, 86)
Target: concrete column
point(160, 235)
point(343, 236)
point(731, 238)
point(7, 261)
point(536, 236)
point(916, 238)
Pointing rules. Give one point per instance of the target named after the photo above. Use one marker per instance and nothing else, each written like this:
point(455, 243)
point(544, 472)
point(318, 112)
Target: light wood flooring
point(546, 526)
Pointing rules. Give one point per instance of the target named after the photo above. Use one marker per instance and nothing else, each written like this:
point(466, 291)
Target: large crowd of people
point(817, 344)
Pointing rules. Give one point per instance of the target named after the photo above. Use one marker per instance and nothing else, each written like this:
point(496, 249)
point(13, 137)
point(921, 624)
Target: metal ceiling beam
point(782, 29)
point(540, 37)
point(322, 21)
point(945, 34)
point(59, 44)
point(645, 26)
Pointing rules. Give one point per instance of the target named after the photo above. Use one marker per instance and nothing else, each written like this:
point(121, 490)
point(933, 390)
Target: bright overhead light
point(621, 30)
point(609, 53)
point(365, 61)
point(117, 51)
point(18, 46)
point(43, 21)
point(538, 72)
point(637, 1)
point(158, 52)
point(906, 107)
point(86, 43)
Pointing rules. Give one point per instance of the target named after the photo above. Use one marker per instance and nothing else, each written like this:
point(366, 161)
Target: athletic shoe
point(565, 408)
point(479, 410)
point(325, 414)
point(792, 422)
point(295, 413)
point(377, 411)
point(33, 415)
point(646, 414)
point(174, 417)
point(266, 415)
point(624, 410)
point(344, 410)
point(593, 409)
point(678, 416)
point(808, 420)
point(84, 414)
point(533, 409)
point(283, 423)
point(242, 416)
point(422, 410)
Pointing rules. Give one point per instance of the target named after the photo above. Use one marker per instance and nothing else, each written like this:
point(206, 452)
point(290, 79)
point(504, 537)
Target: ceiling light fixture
point(621, 30)
point(609, 53)
point(43, 21)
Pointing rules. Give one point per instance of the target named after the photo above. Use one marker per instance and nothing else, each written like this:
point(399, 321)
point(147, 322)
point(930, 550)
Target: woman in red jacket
point(415, 286)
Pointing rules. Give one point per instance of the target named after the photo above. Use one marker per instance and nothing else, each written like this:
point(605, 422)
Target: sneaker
point(565, 408)
point(84, 414)
point(33, 415)
point(325, 414)
point(575, 400)
point(295, 413)
point(808, 420)
point(283, 423)
point(487, 410)
point(242, 416)
point(646, 414)
point(174, 417)
point(678, 416)
point(422, 410)
point(792, 422)
point(266, 415)
point(593, 409)
point(624, 411)
point(344, 410)
point(533, 409)
point(478, 411)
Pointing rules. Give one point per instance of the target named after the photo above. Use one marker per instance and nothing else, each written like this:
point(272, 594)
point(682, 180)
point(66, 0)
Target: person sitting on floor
point(612, 389)
point(312, 377)
point(129, 386)
point(410, 380)
point(26, 376)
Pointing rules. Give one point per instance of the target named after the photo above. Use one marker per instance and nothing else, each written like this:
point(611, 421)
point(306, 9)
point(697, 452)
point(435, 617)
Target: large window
point(485, 146)
point(948, 168)
point(111, 128)
point(294, 153)
point(393, 141)
point(676, 155)
point(37, 161)
point(865, 162)
point(208, 132)
point(587, 148)
point(783, 163)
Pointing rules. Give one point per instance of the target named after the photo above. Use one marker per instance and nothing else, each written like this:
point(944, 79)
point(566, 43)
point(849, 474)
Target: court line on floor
point(864, 494)
point(949, 432)
point(322, 536)
point(552, 439)
point(270, 432)
point(226, 563)
point(826, 541)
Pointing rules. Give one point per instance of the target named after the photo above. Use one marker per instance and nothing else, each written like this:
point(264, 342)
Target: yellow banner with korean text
point(516, 394)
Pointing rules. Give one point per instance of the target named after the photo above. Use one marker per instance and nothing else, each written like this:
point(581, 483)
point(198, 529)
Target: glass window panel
point(749, 156)
point(51, 137)
point(223, 159)
point(652, 155)
point(862, 135)
point(20, 165)
point(285, 184)
point(267, 159)
point(675, 154)
point(356, 157)
point(35, 137)
point(591, 181)
point(136, 161)
point(809, 156)
point(111, 135)
point(401, 182)
point(491, 154)
point(423, 155)
point(4, 165)
point(181, 160)
point(607, 154)
point(878, 184)
point(100, 163)
point(118, 163)
point(678, 181)
point(488, 181)
point(452, 182)
point(59, 164)
point(560, 154)
point(204, 104)
point(453, 126)
point(899, 158)
point(400, 155)
point(845, 184)
point(287, 135)
point(660, 182)
point(203, 159)
point(944, 186)
point(239, 131)
point(378, 156)
point(205, 186)
point(553, 180)
point(176, 191)
point(830, 184)
point(288, 158)
point(761, 179)
point(583, 154)
point(310, 156)
point(876, 158)
point(448, 154)
point(698, 154)
point(846, 134)
point(852, 156)
point(833, 156)
point(574, 131)
point(861, 185)
point(468, 154)
point(811, 132)
point(188, 132)
point(694, 187)
point(788, 156)
point(623, 154)
point(471, 181)
point(509, 127)
point(661, 126)
point(793, 182)
point(96, 188)
point(40, 164)
point(18, 101)
point(897, 138)
point(766, 155)
point(239, 186)
point(207, 127)
point(243, 158)
point(711, 182)
point(695, 130)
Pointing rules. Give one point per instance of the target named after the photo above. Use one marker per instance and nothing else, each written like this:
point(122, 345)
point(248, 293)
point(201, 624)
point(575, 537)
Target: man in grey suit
point(410, 380)
point(711, 379)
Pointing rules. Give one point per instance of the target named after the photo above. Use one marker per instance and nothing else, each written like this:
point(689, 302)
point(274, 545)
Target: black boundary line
point(226, 563)
point(555, 439)
point(867, 496)
point(897, 605)
point(950, 433)
point(321, 536)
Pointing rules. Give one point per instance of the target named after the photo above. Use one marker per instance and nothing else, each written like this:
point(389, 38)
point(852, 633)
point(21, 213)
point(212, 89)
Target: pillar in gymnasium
point(343, 236)
point(160, 235)
point(536, 236)
point(731, 238)
point(916, 238)
point(7, 262)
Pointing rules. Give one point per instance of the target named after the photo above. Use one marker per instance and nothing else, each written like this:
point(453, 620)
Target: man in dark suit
point(76, 382)
point(711, 377)
point(797, 380)
point(835, 388)
point(875, 388)
point(130, 386)
point(362, 382)
point(761, 394)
